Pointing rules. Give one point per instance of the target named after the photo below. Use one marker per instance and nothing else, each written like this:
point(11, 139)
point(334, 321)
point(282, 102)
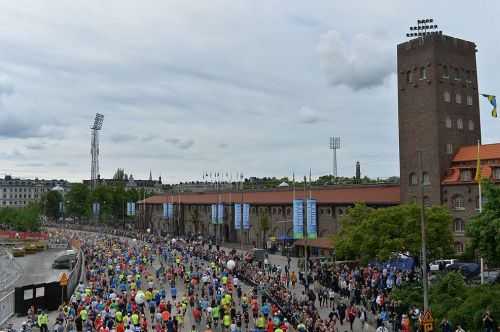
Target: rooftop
point(486, 152)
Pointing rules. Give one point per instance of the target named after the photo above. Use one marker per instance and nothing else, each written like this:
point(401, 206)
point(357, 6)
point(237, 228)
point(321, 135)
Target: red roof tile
point(383, 194)
point(454, 177)
point(486, 152)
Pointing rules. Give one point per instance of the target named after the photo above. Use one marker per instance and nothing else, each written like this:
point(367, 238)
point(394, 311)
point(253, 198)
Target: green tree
point(264, 226)
point(23, 219)
point(50, 202)
point(368, 233)
point(78, 200)
point(484, 229)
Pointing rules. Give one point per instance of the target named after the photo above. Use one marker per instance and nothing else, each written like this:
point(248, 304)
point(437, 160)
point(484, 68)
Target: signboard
point(237, 216)
point(298, 219)
point(311, 219)
point(214, 214)
point(165, 211)
point(220, 214)
point(428, 321)
point(246, 216)
point(63, 279)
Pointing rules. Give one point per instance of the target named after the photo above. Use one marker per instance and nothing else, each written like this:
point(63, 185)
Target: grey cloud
point(363, 61)
point(34, 164)
point(16, 126)
point(223, 145)
point(121, 137)
point(6, 86)
point(35, 146)
point(181, 144)
point(60, 164)
point(309, 115)
point(148, 138)
point(11, 155)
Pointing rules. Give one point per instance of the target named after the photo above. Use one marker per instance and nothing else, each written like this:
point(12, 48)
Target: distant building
point(150, 185)
point(16, 192)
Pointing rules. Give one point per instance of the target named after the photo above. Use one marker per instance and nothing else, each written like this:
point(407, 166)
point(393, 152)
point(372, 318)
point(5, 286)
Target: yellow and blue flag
point(493, 102)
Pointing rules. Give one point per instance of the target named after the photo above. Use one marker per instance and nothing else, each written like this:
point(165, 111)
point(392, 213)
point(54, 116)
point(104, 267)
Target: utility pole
point(422, 228)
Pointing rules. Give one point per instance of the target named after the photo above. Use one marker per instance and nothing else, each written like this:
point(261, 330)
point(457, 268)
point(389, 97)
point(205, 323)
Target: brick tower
point(438, 109)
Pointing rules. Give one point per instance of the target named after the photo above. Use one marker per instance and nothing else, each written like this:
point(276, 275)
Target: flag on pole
point(478, 166)
point(493, 101)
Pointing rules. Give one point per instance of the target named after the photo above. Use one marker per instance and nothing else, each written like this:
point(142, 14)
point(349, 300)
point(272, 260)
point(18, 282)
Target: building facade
point(17, 193)
point(192, 211)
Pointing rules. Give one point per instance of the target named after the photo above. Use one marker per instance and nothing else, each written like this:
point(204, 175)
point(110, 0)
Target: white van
point(434, 266)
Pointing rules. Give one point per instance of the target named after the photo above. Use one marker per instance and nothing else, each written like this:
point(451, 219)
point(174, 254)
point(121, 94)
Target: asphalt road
point(38, 269)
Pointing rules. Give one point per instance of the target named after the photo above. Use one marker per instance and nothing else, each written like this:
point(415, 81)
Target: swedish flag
point(493, 102)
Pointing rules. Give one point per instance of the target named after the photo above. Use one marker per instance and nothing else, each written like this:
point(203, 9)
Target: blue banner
point(220, 214)
point(298, 219)
point(237, 216)
point(214, 214)
point(246, 216)
point(130, 209)
point(170, 214)
point(96, 209)
point(311, 219)
point(165, 211)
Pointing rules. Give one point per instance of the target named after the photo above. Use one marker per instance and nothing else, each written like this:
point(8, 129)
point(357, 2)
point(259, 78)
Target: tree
point(23, 219)
point(484, 229)
point(264, 226)
point(78, 201)
point(51, 201)
point(369, 234)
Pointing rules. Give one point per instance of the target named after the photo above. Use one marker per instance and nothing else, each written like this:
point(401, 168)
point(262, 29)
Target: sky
point(189, 87)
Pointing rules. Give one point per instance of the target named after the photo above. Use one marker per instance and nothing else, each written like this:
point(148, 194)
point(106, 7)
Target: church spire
point(150, 175)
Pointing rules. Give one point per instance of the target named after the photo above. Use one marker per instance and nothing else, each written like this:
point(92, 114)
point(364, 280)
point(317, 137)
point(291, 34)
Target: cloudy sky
point(190, 86)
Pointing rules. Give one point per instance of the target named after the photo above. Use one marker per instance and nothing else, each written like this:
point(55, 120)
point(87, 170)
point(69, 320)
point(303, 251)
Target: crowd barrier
point(6, 307)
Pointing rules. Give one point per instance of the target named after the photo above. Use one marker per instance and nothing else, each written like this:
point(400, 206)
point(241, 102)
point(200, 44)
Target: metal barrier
point(6, 307)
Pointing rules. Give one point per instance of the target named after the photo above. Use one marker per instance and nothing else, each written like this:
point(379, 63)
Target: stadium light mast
point(423, 28)
point(94, 149)
point(334, 146)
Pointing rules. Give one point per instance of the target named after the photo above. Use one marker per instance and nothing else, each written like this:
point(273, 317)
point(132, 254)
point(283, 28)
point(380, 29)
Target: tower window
point(447, 96)
point(409, 77)
point(458, 202)
point(469, 100)
point(425, 179)
point(467, 76)
point(457, 74)
point(458, 98)
point(471, 125)
point(423, 73)
point(449, 148)
point(460, 124)
point(446, 72)
point(413, 179)
point(448, 122)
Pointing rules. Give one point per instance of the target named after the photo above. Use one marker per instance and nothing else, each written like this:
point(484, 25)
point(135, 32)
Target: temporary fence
point(6, 307)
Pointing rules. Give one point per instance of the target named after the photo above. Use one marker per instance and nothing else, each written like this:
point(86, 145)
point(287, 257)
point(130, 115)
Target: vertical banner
point(220, 214)
point(170, 208)
point(311, 219)
point(237, 216)
point(246, 216)
point(165, 211)
point(214, 214)
point(132, 208)
point(298, 219)
point(96, 209)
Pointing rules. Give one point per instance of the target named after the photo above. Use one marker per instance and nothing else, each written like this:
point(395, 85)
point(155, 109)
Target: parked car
point(441, 264)
point(468, 270)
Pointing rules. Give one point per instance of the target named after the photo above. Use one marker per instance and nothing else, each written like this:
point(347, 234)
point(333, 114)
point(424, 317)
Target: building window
point(458, 98)
point(447, 96)
point(425, 179)
point(471, 125)
point(448, 122)
point(496, 173)
point(413, 179)
point(423, 73)
point(409, 77)
point(466, 175)
point(459, 247)
point(288, 211)
point(469, 100)
point(449, 148)
point(458, 202)
point(457, 74)
point(459, 225)
point(460, 124)
point(446, 72)
point(467, 76)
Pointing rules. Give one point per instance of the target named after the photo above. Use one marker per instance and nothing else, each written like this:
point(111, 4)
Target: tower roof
point(486, 152)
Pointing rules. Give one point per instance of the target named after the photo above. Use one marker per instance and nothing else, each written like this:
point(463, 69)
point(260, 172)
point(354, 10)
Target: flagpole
point(480, 198)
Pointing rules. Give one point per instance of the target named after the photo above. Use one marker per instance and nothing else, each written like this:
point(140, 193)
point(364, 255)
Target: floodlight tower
point(423, 28)
point(94, 149)
point(334, 146)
